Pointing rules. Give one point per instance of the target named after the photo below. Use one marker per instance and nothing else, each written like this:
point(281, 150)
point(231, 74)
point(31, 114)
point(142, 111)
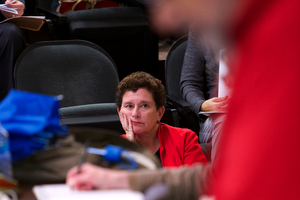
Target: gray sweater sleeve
point(199, 72)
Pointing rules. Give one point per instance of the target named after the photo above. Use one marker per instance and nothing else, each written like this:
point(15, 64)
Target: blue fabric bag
point(32, 121)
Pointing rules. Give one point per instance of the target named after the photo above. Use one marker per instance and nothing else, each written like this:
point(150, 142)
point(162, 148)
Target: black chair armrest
point(177, 102)
point(55, 17)
point(187, 118)
point(182, 105)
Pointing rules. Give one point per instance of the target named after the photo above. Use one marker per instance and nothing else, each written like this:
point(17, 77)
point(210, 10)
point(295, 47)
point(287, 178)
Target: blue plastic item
point(32, 121)
point(113, 153)
point(117, 155)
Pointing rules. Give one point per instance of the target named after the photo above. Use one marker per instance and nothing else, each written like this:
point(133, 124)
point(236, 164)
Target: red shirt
point(261, 135)
point(178, 146)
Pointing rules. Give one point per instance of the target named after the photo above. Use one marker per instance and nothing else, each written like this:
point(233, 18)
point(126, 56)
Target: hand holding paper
point(219, 104)
point(12, 8)
point(7, 9)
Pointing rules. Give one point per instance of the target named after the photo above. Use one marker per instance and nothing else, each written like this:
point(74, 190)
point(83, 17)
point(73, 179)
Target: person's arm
point(183, 183)
point(199, 75)
point(192, 84)
point(92, 177)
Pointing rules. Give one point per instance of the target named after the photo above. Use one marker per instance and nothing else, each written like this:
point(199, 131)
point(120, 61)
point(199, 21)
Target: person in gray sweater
point(199, 85)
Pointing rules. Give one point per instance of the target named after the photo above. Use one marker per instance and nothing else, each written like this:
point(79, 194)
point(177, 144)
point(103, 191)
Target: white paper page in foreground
point(63, 192)
point(223, 88)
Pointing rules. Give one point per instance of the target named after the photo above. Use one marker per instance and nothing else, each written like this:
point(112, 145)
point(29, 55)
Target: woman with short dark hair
point(140, 99)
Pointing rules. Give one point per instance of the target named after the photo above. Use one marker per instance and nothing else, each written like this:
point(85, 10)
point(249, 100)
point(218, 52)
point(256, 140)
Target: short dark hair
point(138, 80)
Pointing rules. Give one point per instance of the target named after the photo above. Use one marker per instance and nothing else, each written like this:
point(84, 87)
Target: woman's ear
point(118, 110)
point(161, 112)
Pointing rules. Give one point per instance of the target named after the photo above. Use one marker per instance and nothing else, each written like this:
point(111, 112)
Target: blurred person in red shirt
point(260, 134)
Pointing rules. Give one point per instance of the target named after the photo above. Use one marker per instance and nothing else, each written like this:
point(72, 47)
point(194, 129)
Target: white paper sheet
point(10, 10)
point(223, 89)
point(63, 192)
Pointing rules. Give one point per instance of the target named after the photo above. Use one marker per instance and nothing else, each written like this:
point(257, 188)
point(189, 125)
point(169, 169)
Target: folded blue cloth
point(32, 121)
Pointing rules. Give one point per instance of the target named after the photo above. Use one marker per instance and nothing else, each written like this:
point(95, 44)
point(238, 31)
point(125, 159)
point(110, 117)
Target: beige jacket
point(183, 183)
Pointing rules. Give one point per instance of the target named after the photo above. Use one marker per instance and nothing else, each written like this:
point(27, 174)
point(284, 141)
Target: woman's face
point(140, 108)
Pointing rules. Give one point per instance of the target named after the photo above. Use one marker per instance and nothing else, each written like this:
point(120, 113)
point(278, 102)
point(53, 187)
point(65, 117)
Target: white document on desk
point(63, 192)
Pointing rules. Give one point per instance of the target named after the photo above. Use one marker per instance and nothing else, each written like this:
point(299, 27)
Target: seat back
point(173, 66)
point(51, 4)
point(79, 70)
point(183, 117)
point(124, 32)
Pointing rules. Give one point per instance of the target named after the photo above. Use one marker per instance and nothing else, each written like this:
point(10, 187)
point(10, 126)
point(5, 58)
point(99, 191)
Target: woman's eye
point(144, 105)
point(128, 106)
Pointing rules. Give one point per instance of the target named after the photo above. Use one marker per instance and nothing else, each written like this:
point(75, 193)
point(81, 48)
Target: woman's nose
point(135, 112)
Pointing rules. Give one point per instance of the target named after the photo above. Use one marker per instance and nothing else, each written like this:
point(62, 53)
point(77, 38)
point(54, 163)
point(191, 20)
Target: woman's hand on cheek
point(129, 132)
point(127, 126)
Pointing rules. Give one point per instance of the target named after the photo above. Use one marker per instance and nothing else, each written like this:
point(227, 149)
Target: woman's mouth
point(135, 122)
